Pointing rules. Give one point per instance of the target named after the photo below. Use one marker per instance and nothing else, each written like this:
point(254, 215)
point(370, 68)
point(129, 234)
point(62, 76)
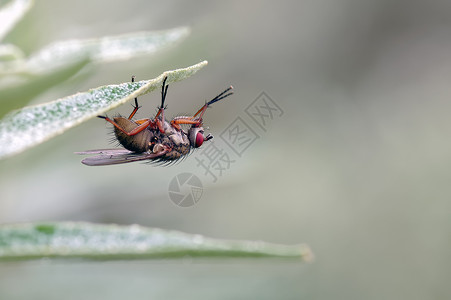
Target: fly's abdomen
point(139, 142)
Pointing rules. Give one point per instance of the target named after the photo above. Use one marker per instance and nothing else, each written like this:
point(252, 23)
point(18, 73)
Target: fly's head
point(196, 136)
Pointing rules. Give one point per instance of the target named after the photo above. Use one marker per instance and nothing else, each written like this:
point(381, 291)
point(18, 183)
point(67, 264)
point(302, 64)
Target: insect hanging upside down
point(153, 139)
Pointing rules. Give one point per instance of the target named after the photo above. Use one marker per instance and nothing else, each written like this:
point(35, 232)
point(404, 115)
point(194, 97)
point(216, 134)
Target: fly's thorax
point(139, 142)
point(168, 129)
point(176, 140)
point(179, 138)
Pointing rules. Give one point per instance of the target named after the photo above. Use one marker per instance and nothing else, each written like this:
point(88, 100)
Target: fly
point(153, 139)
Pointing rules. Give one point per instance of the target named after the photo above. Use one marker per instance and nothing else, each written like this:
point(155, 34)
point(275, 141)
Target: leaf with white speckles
point(22, 79)
point(32, 125)
point(104, 49)
point(94, 241)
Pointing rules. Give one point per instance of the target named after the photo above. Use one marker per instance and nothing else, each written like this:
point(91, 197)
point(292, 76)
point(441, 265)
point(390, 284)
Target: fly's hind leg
point(136, 106)
point(143, 124)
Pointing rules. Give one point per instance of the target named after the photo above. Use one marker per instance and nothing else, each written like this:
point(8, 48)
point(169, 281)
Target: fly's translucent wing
point(116, 156)
point(113, 151)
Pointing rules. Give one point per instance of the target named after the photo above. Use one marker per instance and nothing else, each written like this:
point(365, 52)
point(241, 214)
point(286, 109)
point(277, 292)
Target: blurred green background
point(358, 166)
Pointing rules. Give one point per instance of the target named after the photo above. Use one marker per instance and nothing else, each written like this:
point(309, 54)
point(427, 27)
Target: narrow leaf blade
point(14, 96)
point(94, 241)
point(23, 79)
point(104, 49)
point(32, 125)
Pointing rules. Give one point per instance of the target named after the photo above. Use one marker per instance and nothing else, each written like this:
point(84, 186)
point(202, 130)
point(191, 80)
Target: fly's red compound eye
point(199, 139)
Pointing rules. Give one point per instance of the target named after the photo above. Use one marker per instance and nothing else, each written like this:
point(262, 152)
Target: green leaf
point(11, 13)
point(32, 125)
point(17, 95)
point(94, 241)
point(23, 79)
point(105, 49)
point(10, 53)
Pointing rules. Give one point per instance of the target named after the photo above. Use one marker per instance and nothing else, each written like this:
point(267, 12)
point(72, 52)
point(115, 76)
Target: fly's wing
point(116, 156)
point(113, 151)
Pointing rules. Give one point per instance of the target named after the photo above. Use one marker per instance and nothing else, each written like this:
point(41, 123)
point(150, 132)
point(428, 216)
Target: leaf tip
point(306, 253)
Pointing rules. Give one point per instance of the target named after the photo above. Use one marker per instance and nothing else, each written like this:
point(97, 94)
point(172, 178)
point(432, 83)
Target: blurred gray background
point(358, 166)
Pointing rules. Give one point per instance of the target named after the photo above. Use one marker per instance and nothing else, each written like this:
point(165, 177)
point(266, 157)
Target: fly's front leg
point(197, 121)
point(143, 124)
point(177, 121)
point(197, 118)
point(221, 96)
